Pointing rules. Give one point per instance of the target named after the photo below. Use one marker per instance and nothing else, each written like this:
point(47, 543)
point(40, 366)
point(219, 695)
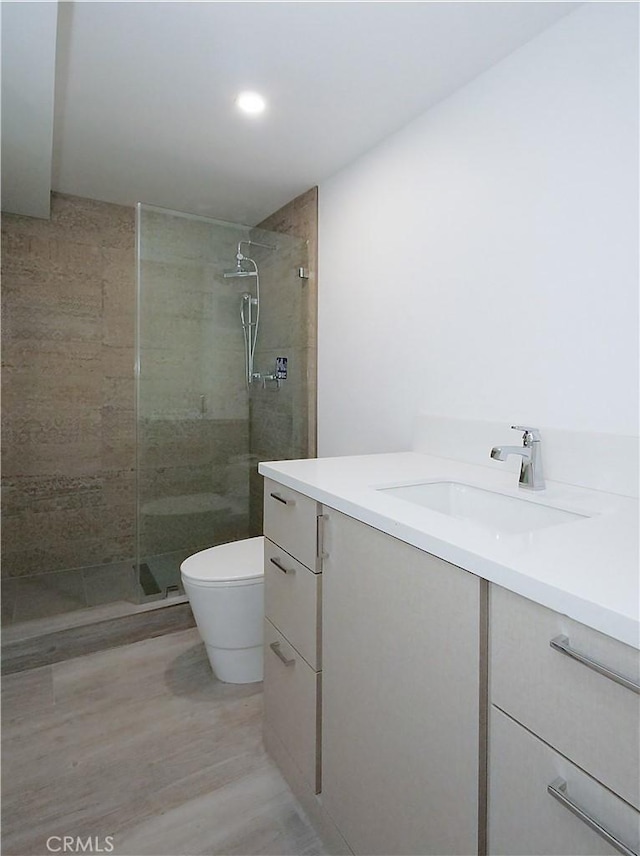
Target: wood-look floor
point(143, 744)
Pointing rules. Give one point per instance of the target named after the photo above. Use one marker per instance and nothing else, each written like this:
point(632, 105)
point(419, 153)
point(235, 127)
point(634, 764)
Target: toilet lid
point(238, 560)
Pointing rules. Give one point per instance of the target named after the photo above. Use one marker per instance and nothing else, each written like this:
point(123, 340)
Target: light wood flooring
point(143, 744)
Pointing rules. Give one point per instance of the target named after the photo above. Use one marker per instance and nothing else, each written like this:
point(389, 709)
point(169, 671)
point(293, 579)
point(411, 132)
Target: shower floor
point(159, 576)
point(42, 596)
point(45, 595)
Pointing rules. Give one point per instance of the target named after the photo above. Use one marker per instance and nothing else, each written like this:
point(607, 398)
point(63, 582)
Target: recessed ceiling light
point(251, 103)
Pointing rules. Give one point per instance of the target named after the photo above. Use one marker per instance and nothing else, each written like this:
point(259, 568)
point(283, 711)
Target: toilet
point(225, 587)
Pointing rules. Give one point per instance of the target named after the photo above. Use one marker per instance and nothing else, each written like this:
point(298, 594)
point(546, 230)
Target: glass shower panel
point(278, 412)
point(196, 461)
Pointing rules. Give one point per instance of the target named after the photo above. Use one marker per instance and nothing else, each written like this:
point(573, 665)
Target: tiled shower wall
point(68, 389)
point(69, 430)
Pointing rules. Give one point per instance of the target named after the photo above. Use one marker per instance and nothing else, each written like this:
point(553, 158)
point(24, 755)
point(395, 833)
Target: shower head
point(232, 274)
point(239, 269)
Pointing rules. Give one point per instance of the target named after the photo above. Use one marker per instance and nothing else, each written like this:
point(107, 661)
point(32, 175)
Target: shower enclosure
point(221, 375)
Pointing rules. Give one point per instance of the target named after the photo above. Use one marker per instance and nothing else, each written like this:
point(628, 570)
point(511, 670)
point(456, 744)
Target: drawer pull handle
point(275, 647)
point(321, 553)
point(282, 499)
point(558, 790)
point(280, 567)
point(561, 643)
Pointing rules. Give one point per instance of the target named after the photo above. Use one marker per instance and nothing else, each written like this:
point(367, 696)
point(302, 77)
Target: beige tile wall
point(68, 379)
point(68, 452)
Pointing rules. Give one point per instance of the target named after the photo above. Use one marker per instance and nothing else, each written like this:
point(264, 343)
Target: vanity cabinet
point(401, 690)
point(564, 738)
point(292, 650)
point(386, 666)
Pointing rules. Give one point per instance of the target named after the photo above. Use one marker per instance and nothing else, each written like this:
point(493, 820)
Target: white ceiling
point(144, 91)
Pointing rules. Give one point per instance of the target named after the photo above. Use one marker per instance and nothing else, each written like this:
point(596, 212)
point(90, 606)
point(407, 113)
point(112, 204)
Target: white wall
point(482, 263)
point(28, 78)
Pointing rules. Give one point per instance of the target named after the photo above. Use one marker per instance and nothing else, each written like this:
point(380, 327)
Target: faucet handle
point(531, 435)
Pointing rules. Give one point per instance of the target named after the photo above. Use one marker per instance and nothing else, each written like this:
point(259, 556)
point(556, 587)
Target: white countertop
point(587, 569)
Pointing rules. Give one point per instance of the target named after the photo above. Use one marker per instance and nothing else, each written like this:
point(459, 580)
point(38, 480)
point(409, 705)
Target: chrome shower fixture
point(232, 274)
point(240, 257)
point(255, 244)
point(249, 305)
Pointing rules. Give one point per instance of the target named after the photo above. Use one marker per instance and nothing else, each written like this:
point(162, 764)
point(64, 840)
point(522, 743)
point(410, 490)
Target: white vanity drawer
point(292, 601)
point(524, 818)
point(291, 703)
point(290, 520)
point(588, 717)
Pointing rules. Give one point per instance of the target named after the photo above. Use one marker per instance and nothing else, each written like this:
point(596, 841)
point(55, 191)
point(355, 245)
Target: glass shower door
point(193, 414)
point(201, 429)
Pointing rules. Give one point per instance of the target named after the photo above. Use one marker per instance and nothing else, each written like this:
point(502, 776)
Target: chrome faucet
point(531, 476)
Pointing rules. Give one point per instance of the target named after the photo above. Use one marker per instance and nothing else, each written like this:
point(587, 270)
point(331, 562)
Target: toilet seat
point(235, 563)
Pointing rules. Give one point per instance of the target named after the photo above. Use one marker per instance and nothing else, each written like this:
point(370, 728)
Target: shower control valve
point(267, 377)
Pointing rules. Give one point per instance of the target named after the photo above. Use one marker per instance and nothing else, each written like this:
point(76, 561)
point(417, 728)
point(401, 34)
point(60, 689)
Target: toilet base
point(236, 665)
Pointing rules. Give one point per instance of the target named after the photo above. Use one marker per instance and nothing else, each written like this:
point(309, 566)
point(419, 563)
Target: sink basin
point(498, 512)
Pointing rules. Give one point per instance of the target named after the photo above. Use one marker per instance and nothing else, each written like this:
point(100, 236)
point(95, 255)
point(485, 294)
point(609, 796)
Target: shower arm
point(253, 244)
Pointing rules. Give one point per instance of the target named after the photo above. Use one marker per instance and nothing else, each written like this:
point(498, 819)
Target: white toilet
point(225, 587)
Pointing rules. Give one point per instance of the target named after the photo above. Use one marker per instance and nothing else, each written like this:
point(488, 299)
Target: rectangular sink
point(502, 514)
